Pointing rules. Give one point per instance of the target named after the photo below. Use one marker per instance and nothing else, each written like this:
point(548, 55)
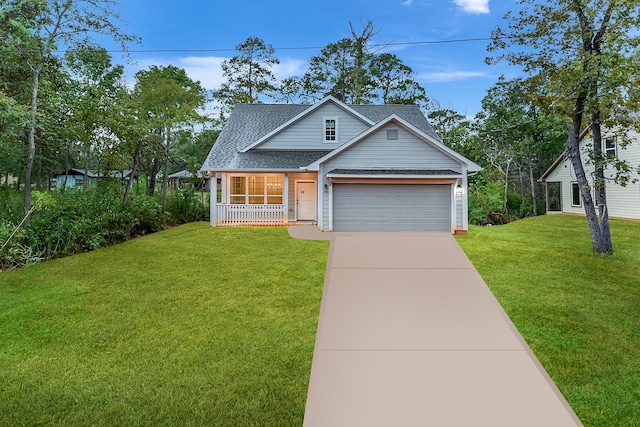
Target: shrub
point(145, 215)
point(486, 204)
point(13, 251)
point(77, 221)
point(185, 205)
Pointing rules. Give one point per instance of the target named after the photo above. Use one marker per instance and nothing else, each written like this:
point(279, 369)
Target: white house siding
point(623, 202)
point(293, 177)
point(308, 133)
point(376, 152)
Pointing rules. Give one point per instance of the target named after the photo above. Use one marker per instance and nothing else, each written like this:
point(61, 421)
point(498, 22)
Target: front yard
point(215, 326)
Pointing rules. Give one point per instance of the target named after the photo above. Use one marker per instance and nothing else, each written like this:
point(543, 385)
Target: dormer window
point(330, 129)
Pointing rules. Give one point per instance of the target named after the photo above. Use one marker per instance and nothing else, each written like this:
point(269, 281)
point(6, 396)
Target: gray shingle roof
point(250, 122)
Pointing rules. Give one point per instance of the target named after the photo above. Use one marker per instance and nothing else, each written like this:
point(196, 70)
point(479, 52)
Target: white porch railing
point(236, 215)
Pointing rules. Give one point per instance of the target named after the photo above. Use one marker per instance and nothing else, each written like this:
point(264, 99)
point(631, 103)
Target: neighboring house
point(343, 167)
point(75, 177)
point(184, 178)
point(562, 189)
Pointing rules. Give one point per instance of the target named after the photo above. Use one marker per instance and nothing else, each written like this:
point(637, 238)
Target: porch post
point(213, 199)
point(285, 198)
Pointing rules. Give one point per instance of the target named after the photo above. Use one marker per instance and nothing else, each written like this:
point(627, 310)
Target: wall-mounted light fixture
point(459, 189)
point(326, 187)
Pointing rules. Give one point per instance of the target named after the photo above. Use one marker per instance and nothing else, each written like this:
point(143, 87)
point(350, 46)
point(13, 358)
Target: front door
point(305, 201)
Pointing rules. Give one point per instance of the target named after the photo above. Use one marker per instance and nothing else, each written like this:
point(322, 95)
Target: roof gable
point(395, 119)
point(306, 113)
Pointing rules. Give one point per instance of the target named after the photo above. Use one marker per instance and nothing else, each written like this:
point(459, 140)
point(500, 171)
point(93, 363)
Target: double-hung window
point(330, 129)
point(256, 190)
point(609, 148)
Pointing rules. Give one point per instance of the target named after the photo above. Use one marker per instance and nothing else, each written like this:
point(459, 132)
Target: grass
point(191, 326)
point(579, 313)
point(215, 326)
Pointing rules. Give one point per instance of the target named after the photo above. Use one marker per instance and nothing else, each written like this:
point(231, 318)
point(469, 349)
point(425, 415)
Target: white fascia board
point(389, 176)
point(304, 114)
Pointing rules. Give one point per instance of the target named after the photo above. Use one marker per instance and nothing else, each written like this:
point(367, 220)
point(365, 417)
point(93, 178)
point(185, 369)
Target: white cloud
point(205, 69)
point(208, 71)
point(289, 67)
point(407, 3)
point(473, 6)
point(450, 76)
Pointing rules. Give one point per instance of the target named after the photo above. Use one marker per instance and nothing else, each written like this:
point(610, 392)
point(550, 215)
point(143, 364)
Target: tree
point(289, 90)
point(13, 118)
point(453, 127)
point(248, 74)
point(395, 82)
point(350, 72)
point(519, 138)
point(330, 72)
point(38, 28)
point(169, 100)
point(96, 86)
point(581, 53)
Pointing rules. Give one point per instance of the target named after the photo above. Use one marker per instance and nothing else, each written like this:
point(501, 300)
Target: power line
point(429, 42)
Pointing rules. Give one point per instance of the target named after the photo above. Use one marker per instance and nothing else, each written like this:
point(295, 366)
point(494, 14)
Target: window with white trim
point(330, 129)
point(576, 198)
point(609, 147)
point(256, 190)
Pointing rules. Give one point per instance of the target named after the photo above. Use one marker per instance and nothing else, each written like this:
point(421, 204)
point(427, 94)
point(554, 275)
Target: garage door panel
point(391, 207)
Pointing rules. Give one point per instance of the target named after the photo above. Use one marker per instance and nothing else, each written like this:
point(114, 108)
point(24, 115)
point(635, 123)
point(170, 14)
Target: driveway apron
point(410, 335)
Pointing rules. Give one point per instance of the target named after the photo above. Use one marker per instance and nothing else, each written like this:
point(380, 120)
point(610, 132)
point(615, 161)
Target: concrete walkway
point(410, 335)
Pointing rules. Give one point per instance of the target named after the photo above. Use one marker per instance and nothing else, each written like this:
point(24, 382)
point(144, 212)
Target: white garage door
point(391, 207)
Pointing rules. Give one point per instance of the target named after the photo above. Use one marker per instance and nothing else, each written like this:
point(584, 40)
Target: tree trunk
point(532, 183)
point(151, 179)
point(506, 190)
point(600, 185)
point(165, 172)
point(600, 243)
point(134, 172)
point(31, 141)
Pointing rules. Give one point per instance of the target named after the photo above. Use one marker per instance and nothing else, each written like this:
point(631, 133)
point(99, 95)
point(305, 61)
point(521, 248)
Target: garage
point(391, 207)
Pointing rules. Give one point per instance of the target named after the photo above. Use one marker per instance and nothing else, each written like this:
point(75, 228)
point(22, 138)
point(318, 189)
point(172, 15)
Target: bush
point(76, 221)
point(13, 253)
point(486, 204)
point(185, 205)
point(145, 215)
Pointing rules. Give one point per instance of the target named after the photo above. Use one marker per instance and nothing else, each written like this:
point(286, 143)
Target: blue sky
point(454, 74)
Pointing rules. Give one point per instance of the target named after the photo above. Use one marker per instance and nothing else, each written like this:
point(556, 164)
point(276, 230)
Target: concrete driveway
point(410, 335)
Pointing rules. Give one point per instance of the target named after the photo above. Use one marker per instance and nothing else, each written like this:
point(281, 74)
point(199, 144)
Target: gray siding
point(308, 133)
point(407, 152)
point(376, 152)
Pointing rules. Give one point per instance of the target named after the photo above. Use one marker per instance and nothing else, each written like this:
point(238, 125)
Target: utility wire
point(233, 49)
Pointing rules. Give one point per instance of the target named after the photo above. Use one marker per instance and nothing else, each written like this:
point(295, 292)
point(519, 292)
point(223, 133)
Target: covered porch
point(264, 198)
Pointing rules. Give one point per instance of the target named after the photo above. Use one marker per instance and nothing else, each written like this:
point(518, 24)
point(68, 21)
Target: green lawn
point(579, 313)
point(191, 326)
point(215, 326)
